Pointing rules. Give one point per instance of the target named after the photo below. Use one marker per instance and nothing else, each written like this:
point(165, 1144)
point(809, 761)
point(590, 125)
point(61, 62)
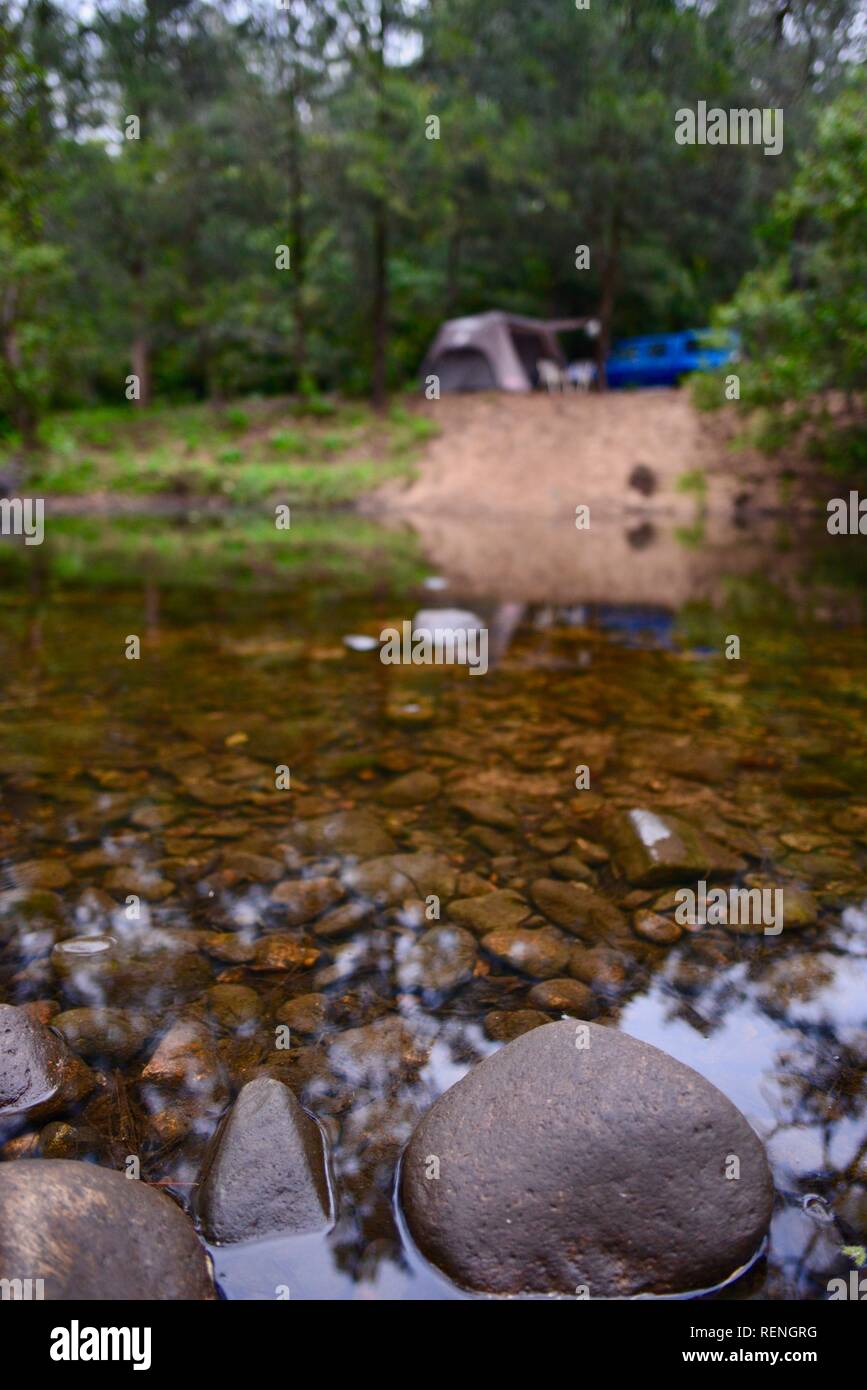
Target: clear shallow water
point(156, 777)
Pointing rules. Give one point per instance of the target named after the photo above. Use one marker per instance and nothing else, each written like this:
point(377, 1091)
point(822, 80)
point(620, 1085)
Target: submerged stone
point(346, 832)
point(651, 849)
point(599, 966)
point(342, 920)
point(302, 899)
point(98, 970)
point(186, 1056)
point(487, 810)
point(536, 951)
point(111, 1033)
point(564, 997)
point(612, 1161)
point(577, 908)
point(379, 1053)
point(393, 877)
point(413, 789)
point(265, 1174)
point(502, 1025)
point(306, 1013)
point(440, 960)
point(41, 874)
point(490, 912)
point(662, 931)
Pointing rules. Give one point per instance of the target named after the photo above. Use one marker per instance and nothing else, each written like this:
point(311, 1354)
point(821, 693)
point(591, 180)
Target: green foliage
point(694, 482)
point(802, 314)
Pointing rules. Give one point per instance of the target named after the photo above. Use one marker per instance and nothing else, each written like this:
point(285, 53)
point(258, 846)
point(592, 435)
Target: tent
point(494, 351)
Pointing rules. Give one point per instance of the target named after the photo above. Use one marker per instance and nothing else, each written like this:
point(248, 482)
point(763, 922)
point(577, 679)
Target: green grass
point(320, 451)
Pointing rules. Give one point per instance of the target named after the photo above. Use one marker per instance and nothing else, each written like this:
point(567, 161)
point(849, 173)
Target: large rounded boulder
point(92, 1233)
point(578, 1159)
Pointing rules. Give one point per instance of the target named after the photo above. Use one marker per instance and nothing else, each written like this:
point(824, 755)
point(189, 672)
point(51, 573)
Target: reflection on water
point(151, 866)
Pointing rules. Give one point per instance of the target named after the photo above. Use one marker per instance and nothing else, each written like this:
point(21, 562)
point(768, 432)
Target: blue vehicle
point(664, 359)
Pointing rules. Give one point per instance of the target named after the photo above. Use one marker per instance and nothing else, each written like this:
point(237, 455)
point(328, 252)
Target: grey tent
point(494, 351)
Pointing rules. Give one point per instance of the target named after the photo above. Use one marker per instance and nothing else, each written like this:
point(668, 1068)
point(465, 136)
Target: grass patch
point(317, 450)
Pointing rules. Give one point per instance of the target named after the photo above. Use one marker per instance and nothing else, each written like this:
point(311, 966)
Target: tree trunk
point(297, 222)
point(23, 411)
point(610, 272)
point(379, 306)
point(140, 354)
point(453, 271)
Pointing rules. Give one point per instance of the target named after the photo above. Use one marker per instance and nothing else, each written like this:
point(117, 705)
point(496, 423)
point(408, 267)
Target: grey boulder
point(91, 1233)
point(604, 1165)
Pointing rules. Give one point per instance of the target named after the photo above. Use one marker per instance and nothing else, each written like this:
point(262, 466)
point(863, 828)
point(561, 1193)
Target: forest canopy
point(220, 198)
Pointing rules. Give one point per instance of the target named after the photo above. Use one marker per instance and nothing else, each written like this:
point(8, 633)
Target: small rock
point(660, 930)
point(397, 876)
point(564, 997)
point(600, 967)
point(536, 951)
point(576, 908)
point(41, 874)
point(103, 1033)
point(487, 810)
point(502, 1025)
point(495, 911)
point(257, 868)
point(413, 789)
point(237, 948)
point(235, 1007)
point(143, 883)
point(186, 1056)
point(344, 919)
point(279, 952)
point(378, 1053)
point(346, 832)
point(440, 960)
point(59, 1140)
point(569, 866)
point(302, 899)
point(307, 1013)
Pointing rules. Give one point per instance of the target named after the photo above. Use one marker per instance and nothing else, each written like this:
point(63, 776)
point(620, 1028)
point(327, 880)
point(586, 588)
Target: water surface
point(155, 779)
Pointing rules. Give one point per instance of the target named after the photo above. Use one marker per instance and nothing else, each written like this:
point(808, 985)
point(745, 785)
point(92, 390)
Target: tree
point(802, 314)
point(30, 266)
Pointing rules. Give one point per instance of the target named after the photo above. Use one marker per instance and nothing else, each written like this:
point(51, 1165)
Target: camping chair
point(550, 375)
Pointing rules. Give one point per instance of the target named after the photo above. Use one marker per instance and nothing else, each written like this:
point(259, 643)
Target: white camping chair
point(550, 375)
point(581, 375)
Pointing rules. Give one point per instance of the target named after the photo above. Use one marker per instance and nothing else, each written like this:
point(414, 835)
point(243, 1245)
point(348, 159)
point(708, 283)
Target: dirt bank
point(543, 455)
